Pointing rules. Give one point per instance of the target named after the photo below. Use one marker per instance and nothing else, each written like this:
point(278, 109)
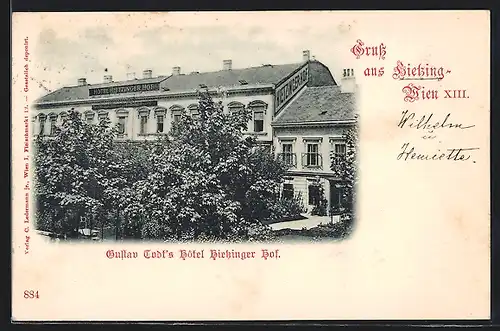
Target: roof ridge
point(182, 75)
point(254, 67)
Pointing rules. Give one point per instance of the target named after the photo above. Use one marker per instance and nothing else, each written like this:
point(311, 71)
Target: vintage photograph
point(258, 146)
point(250, 166)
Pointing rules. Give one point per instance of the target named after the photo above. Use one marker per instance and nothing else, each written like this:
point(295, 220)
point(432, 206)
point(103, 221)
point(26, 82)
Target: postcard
point(229, 166)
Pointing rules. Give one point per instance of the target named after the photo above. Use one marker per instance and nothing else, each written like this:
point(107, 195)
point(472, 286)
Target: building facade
point(308, 133)
point(143, 108)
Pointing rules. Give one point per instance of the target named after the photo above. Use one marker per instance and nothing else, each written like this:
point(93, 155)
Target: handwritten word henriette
point(450, 154)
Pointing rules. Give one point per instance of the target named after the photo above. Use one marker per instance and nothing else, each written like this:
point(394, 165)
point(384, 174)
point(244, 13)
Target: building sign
point(125, 105)
point(287, 90)
point(124, 89)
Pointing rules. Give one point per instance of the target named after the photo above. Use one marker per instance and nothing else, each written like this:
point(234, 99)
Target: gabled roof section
point(319, 104)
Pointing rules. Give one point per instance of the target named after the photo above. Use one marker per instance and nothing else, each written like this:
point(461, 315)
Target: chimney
point(130, 75)
point(176, 71)
point(108, 78)
point(348, 81)
point(82, 81)
point(148, 73)
point(227, 65)
point(306, 55)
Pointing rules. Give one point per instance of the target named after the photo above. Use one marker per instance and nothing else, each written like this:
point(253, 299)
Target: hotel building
point(298, 111)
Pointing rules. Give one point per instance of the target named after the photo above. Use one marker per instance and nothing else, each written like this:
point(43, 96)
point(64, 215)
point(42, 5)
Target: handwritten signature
point(427, 122)
point(450, 154)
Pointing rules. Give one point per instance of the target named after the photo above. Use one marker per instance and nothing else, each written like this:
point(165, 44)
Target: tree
point(204, 180)
point(209, 181)
point(74, 173)
point(345, 168)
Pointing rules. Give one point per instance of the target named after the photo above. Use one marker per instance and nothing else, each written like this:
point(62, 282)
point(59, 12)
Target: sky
point(67, 46)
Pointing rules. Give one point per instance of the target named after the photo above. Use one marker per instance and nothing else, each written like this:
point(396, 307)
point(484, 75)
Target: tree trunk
point(102, 230)
point(117, 224)
point(91, 225)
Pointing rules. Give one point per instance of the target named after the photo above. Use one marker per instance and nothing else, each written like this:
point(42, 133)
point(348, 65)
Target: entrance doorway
point(335, 197)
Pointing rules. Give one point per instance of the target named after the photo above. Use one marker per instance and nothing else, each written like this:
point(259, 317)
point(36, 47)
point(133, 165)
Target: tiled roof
point(319, 104)
point(267, 74)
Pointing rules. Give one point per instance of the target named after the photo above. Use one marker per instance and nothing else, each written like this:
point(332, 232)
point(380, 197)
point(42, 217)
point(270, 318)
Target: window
point(287, 154)
point(42, 125)
point(194, 114)
point(144, 122)
point(53, 127)
point(288, 191)
point(235, 107)
point(64, 117)
point(193, 110)
point(258, 121)
point(159, 123)
point(102, 116)
point(176, 115)
point(89, 117)
point(339, 151)
point(314, 194)
point(258, 108)
point(312, 155)
point(267, 148)
point(122, 120)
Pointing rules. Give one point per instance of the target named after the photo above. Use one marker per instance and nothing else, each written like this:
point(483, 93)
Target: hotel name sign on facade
point(124, 89)
point(290, 87)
